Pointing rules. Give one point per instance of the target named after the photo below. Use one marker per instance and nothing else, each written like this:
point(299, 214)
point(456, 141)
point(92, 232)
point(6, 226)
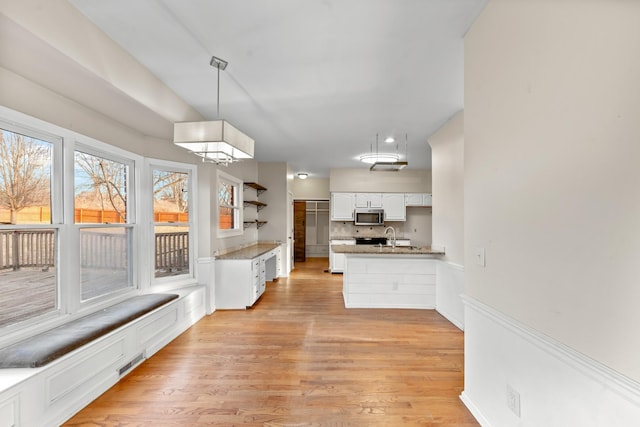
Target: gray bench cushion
point(43, 348)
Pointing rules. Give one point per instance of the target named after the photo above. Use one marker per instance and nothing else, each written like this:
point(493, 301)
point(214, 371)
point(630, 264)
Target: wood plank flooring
point(298, 358)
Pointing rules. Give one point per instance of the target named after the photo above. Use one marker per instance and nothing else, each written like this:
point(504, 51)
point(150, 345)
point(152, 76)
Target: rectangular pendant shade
point(217, 141)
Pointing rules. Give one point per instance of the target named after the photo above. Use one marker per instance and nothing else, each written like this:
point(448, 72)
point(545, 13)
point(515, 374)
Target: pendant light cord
point(218, 95)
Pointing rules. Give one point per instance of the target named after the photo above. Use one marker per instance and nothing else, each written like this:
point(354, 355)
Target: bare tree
point(25, 172)
point(106, 179)
point(170, 186)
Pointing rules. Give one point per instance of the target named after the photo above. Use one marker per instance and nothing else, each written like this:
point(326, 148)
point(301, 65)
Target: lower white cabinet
point(240, 282)
point(336, 261)
point(389, 281)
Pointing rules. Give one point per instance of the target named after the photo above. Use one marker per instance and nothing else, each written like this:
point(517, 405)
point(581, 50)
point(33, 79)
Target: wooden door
point(299, 230)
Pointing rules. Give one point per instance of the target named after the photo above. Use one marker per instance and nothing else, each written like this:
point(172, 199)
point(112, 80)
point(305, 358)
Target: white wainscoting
point(50, 395)
point(206, 276)
point(449, 290)
point(557, 386)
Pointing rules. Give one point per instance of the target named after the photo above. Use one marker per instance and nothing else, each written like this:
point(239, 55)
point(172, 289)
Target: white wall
point(551, 173)
point(273, 176)
point(447, 171)
point(311, 189)
point(363, 180)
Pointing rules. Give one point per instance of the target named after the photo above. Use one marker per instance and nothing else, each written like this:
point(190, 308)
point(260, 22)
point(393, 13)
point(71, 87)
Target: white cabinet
point(240, 282)
point(336, 261)
point(389, 281)
point(368, 200)
point(342, 205)
point(418, 199)
point(394, 208)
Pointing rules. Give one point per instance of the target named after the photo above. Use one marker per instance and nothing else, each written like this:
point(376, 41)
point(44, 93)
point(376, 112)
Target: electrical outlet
point(513, 400)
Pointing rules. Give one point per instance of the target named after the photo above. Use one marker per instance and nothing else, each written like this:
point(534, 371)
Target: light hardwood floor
point(298, 358)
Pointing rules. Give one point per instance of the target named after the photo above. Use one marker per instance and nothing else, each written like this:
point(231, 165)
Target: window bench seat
point(45, 347)
point(47, 378)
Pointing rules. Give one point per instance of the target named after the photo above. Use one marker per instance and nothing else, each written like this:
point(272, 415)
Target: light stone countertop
point(250, 252)
point(385, 250)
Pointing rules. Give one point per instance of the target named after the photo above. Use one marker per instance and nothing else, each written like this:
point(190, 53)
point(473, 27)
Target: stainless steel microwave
point(369, 217)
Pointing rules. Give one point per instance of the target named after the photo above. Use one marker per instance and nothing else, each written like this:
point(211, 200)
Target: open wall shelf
point(259, 188)
point(257, 223)
point(257, 204)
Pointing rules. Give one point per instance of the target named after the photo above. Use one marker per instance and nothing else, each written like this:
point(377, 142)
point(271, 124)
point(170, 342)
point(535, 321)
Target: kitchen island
point(388, 277)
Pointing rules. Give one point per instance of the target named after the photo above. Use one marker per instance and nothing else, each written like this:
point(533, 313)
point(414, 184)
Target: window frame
point(239, 230)
point(172, 282)
point(134, 163)
point(12, 122)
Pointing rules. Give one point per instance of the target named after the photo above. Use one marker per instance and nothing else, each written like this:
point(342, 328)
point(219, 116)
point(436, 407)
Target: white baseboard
point(557, 386)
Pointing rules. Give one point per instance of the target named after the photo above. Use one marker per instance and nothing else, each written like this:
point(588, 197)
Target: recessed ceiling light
point(303, 175)
point(389, 140)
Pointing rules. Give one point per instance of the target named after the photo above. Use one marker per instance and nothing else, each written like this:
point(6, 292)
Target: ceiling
point(312, 81)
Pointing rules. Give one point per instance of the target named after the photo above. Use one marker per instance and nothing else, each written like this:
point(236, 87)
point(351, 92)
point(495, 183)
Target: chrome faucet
point(393, 242)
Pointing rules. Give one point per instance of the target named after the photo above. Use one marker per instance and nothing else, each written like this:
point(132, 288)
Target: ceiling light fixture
point(215, 141)
point(303, 175)
point(389, 140)
point(389, 162)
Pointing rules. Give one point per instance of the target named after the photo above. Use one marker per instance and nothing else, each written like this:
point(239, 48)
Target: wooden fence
point(42, 215)
point(36, 248)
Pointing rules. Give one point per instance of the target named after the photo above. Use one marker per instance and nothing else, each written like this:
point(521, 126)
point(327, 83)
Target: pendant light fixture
point(387, 162)
point(216, 141)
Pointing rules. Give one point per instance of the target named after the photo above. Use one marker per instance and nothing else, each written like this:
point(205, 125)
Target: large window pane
point(25, 179)
point(172, 251)
point(100, 190)
point(171, 222)
point(105, 260)
point(28, 281)
point(27, 274)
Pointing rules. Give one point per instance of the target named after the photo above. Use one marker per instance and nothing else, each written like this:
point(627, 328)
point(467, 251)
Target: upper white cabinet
point(418, 199)
point(394, 207)
point(368, 200)
point(342, 205)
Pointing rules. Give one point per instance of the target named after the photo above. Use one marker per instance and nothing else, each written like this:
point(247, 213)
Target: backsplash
point(417, 228)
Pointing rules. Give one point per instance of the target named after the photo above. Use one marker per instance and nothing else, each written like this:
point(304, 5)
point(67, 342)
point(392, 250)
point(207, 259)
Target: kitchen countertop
point(249, 252)
point(387, 250)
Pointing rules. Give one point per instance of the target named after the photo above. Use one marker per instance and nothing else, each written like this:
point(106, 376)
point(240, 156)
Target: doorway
point(299, 230)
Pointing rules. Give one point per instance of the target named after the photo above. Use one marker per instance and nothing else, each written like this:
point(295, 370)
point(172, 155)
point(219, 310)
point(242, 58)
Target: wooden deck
point(30, 292)
point(298, 358)
point(26, 293)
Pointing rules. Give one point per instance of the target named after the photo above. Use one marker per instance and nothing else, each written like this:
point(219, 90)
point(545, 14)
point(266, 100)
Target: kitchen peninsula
point(388, 277)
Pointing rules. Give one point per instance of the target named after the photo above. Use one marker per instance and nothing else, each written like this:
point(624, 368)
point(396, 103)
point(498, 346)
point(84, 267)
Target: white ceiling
point(312, 81)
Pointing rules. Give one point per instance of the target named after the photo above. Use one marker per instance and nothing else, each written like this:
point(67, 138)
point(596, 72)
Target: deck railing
point(36, 248)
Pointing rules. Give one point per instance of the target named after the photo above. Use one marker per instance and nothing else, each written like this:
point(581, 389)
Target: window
point(28, 240)
point(69, 231)
point(101, 212)
point(171, 220)
point(229, 199)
